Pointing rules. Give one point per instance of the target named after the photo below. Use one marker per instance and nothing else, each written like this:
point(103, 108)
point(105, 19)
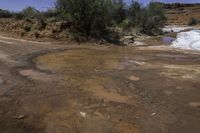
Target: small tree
point(30, 12)
point(119, 11)
point(152, 19)
point(193, 22)
point(5, 14)
point(89, 17)
point(134, 13)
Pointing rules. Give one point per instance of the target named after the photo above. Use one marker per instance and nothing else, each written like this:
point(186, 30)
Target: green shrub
point(149, 20)
point(36, 34)
point(135, 13)
point(97, 18)
point(18, 15)
point(193, 21)
point(49, 13)
point(89, 17)
point(5, 14)
point(125, 24)
point(119, 11)
point(27, 28)
point(30, 12)
point(154, 19)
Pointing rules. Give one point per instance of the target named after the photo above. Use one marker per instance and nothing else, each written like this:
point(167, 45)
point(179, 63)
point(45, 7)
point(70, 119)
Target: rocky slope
point(180, 14)
point(34, 29)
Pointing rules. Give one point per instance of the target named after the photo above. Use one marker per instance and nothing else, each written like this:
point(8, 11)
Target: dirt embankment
point(180, 14)
point(33, 29)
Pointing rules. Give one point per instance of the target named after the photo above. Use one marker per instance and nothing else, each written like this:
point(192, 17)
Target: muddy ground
point(55, 88)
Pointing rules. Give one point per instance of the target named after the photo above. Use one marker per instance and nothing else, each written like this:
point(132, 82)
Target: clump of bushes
point(27, 28)
point(119, 11)
point(149, 20)
point(193, 21)
point(5, 14)
point(89, 17)
point(98, 18)
point(94, 17)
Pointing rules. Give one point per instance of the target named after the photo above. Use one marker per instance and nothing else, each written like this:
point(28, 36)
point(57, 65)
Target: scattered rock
point(129, 37)
point(126, 40)
point(137, 62)
point(21, 116)
point(195, 104)
point(167, 92)
point(134, 78)
point(137, 43)
point(7, 82)
point(153, 114)
point(83, 114)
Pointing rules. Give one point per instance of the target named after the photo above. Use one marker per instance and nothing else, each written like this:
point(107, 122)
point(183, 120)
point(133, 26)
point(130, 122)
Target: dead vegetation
point(180, 14)
point(31, 28)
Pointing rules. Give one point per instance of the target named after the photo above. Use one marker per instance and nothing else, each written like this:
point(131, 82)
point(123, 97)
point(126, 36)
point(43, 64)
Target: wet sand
point(102, 89)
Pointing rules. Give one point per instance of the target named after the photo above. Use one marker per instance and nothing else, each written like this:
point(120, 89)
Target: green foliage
point(97, 18)
point(27, 28)
point(193, 21)
point(89, 17)
point(30, 12)
point(18, 15)
point(36, 34)
point(135, 13)
point(125, 24)
point(5, 14)
point(119, 11)
point(49, 13)
point(148, 20)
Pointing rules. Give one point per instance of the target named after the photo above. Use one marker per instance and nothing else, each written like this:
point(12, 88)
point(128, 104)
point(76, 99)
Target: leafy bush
point(148, 20)
point(119, 11)
point(125, 24)
point(18, 15)
point(36, 34)
point(27, 28)
point(5, 14)
point(134, 13)
point(89, 17)
point(49, 13)
point(97, 18)
point(193, 21)
point(30, 12)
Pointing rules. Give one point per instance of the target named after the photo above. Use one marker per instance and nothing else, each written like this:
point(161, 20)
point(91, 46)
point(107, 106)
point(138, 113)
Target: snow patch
point(188, 40)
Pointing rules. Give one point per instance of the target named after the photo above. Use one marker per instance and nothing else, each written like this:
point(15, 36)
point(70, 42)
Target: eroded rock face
point(180, 14)
point(31, 28)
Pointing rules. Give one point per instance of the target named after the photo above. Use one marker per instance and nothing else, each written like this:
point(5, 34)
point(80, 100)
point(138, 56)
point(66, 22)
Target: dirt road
point(49, 88)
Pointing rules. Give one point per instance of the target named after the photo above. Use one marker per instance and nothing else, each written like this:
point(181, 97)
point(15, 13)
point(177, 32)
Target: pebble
point(134, 78)
point(20, 116)
point(153, 114)
point(195, 104)
point(167, 92)
point(83, 114)
point(7, 82)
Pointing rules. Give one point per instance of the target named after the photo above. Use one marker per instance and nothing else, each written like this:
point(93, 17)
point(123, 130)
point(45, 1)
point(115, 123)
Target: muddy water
point(92, 71)
point(138, 88)
point(168, 40)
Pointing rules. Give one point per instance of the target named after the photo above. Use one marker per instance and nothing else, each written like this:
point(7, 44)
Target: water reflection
point(168, 39)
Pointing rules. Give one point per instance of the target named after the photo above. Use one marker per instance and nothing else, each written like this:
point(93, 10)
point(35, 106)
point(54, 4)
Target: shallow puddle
point(81, 60)
point(92, 71)
point(168, 39)
point(111, 84)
